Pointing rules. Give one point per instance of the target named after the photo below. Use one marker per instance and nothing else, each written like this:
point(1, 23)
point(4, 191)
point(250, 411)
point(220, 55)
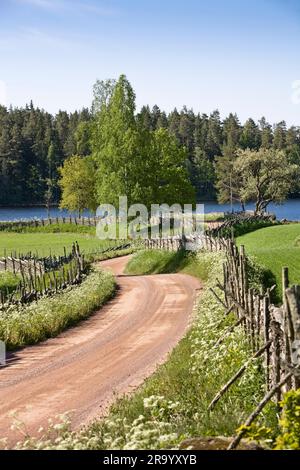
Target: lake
point(289, 210)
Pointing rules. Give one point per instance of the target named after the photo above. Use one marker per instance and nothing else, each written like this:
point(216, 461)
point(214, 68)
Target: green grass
point(8, 282)
point(30, 324)
point(53, 228)
point(43, 243)
point(275, 247)
point(214, 217)
point(163, 262)
point(111, 254)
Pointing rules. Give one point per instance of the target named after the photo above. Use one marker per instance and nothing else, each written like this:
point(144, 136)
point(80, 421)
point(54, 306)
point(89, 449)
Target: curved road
point(107, 355)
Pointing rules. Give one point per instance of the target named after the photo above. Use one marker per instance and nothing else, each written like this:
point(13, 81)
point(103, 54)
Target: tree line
point(33, 145)
point(150, 155)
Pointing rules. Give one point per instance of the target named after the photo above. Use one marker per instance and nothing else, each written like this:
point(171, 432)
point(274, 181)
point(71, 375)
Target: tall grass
point(8, 282)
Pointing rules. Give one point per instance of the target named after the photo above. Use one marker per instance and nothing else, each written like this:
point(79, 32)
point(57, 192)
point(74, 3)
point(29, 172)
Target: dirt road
point(109, 354)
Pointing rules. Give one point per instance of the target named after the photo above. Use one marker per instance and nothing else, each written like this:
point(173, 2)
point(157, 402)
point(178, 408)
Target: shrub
point(284, 435)
point(289, 437)
point(243, 227)
point(23, 325)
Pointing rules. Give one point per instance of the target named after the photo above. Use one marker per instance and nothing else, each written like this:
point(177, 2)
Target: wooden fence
point(46, 276)
point(273, 331)
point(192, 243)
point(36, 282)
point(170, 243)
point(20, 262)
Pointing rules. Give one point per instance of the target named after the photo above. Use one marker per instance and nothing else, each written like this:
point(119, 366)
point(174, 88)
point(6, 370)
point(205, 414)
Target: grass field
point(42, 243)
point(275, 247)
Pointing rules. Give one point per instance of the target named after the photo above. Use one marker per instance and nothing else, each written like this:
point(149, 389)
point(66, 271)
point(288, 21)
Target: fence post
point(266, 314)
point(287, 322)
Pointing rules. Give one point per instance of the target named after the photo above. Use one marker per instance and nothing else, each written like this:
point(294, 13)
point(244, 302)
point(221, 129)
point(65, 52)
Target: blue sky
point(234, 55)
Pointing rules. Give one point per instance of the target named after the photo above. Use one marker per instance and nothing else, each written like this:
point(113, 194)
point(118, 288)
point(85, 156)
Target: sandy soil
point(111, 353)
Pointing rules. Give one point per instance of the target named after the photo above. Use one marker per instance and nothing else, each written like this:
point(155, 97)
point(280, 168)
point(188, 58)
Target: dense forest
point(34, 144)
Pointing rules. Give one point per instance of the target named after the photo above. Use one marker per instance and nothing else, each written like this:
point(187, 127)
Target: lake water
point(289, 210)
point(24, 213)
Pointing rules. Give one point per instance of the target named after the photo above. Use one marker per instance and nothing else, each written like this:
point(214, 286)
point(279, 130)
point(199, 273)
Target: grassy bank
point(172, 404)
point(164, 262)
point(111, 254)
point(275, 247)
point(23, 325)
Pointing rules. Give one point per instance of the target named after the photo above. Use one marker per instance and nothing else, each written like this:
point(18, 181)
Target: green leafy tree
point(114, 142)
point(146, 166)
point(77, 183)
point(265, 176)
point(102, 92)
point(166, 175)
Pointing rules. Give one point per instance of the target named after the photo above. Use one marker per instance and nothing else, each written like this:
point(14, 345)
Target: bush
point(284, 435)
point(23, 325)
point(289, 437)
point(243, 227)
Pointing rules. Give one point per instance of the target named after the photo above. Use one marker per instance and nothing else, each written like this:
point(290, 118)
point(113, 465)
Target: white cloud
point(70, 6)
point(3, 94)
